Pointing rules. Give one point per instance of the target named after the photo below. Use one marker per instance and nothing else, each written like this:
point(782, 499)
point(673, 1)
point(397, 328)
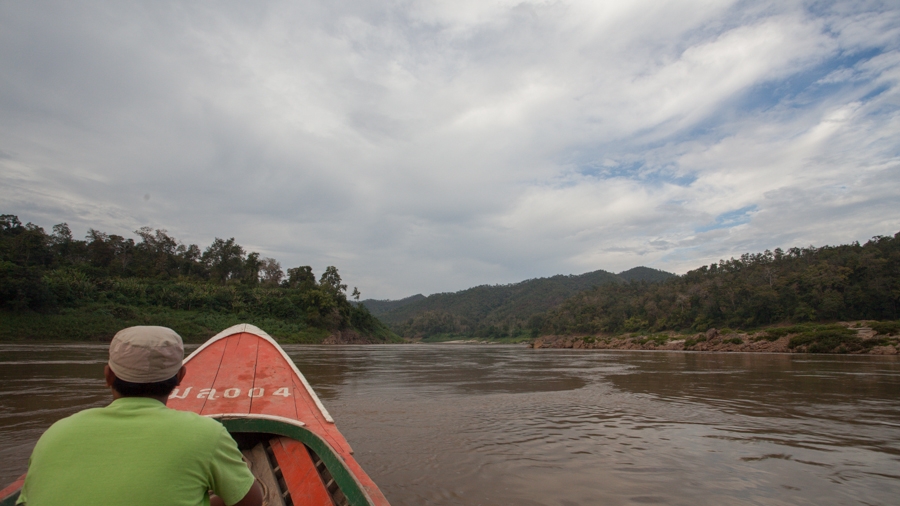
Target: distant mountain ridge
point(494, 310)
point(379, 307)
point(645, 274)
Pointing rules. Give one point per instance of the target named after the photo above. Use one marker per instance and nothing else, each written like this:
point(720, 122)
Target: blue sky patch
point(804, 86)
point(639, 171)
point(730, 219)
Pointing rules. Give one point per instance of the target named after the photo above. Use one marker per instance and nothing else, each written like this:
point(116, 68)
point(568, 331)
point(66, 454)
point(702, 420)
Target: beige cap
point(146, 354)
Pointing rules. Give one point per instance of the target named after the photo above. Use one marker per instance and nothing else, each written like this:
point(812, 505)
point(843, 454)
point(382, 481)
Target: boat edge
point(13, 489)
point(340, 472)
point(253, 329)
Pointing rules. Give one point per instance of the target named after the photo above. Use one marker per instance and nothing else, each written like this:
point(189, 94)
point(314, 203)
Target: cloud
point(432, 146)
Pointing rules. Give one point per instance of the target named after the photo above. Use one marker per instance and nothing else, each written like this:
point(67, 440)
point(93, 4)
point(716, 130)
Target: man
point(136, 451)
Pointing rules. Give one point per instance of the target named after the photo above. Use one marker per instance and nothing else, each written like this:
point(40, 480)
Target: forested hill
point(379, 307)
point(831, 283)
point(494, 311)
point(58, 287)
point(645, 274)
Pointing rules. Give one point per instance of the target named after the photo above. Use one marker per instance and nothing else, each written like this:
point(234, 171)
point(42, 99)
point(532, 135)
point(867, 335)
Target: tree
point(332, 280)
point(356, 294)
point(9, 223)
point(301, 277)
point(225, 259)
point(271, 271)
point(32, 246)
point(100, 252)
point(252, 265)
point(189, 259)
point(27, 246)
point(155, 255)
point(61, 239)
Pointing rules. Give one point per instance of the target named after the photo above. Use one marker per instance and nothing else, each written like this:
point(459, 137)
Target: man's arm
point(254, 497)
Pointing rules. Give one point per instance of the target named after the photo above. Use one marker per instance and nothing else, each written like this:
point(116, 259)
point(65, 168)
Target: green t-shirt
point(135, 452)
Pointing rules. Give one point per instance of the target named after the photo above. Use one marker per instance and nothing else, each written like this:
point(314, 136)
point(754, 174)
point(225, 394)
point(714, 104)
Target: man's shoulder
point(192, 420)
point(75, 419)
point(186, 422)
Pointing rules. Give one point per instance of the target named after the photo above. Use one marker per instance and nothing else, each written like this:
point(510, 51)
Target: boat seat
point(289, 476)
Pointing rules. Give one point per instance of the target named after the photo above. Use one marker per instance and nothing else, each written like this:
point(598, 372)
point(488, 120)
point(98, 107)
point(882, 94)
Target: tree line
point(830, 283)
point(50, 272)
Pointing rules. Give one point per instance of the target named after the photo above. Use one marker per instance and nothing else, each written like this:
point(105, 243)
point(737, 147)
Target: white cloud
point(431, 146)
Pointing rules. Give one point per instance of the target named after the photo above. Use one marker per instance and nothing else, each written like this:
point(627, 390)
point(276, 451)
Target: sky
point(431, 146)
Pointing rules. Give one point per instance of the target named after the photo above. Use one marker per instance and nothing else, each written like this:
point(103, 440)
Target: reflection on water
point(491, 425)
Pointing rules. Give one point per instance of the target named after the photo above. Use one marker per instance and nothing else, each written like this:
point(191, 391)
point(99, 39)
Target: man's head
point(145, 362)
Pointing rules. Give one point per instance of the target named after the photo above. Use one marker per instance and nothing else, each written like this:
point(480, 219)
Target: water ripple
point(492, 425)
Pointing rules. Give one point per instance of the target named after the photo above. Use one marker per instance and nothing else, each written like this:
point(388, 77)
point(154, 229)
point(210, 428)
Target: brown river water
point(505, 425)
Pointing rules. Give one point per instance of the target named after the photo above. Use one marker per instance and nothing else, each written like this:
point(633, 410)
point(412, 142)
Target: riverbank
point(99, 323)
point(466, 339)
point(859, 337)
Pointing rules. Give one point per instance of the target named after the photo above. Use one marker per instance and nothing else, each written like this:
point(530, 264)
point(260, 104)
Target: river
point(505, 425)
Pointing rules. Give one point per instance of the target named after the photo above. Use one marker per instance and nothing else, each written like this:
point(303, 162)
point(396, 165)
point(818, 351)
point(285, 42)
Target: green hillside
point(379, 307)
point(645, 274)
point(53, 286)
point(489, 311)
point(827, 284)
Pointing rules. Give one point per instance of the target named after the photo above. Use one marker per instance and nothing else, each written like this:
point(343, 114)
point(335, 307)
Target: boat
point(242, 378)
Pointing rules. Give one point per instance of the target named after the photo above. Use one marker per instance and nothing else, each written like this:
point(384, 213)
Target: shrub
point(886, 328)
point(660, 339)
point(776, 333)
point(635, 324)
point(828, 339)
point(693, 340)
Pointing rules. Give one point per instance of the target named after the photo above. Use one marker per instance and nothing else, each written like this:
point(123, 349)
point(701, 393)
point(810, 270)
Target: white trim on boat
point(253, 329)
point(256, 416)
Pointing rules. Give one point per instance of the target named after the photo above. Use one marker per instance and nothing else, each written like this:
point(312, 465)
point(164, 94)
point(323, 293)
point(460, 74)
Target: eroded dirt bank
point(349, 337)
point(843, 337)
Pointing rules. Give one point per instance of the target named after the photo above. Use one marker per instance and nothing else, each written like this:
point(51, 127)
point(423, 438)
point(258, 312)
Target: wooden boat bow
point(244, 379)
